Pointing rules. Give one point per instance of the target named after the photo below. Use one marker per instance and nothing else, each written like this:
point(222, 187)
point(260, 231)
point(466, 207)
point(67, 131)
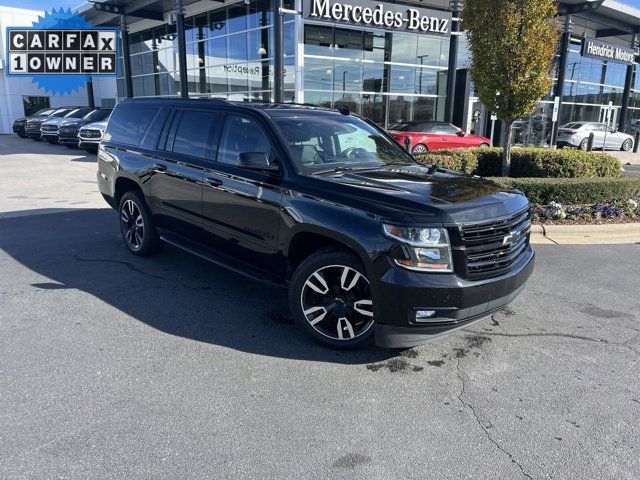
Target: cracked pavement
point(113, 366)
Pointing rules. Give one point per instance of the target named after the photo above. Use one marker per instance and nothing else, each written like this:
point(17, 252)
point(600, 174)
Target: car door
point(241, 207)
point(598, 130)
point(447, 136)
point(185, 151)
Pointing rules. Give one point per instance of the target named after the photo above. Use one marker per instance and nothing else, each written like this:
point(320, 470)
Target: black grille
point(491, 248)
point(90, 133)
point(33, 125)
point(49, 128)
point(68, 130)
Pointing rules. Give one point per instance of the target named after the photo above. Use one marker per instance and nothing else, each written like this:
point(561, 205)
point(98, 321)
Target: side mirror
point(461, 133)
point(256, 161)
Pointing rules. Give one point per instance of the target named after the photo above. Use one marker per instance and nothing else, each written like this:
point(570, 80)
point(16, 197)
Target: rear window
point(129, 125)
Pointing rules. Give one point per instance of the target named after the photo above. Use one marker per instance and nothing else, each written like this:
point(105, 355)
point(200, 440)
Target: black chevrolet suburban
point(371, 244)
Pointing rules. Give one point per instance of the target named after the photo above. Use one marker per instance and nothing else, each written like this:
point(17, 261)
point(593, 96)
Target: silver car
point(576, 134)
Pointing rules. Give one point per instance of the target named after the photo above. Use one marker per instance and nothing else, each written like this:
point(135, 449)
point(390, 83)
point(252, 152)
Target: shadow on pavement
point(174, 292)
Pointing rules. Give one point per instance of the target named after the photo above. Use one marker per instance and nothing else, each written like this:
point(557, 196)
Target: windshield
point(77, 113)
point(574, 125)
point(98, 115)
point(61, 112)
point(44, 111)
point(321, 142)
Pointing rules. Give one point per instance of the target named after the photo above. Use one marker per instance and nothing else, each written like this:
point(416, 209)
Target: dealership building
point(389, 61)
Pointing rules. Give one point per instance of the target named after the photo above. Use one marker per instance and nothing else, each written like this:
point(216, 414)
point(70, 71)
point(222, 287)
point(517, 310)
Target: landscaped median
point(576, 197)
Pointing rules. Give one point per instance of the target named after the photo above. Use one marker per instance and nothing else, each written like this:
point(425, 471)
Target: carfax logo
point(60, 50)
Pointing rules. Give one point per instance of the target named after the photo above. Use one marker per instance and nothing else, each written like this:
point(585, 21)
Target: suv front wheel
point(330, 296)
point(137, 228)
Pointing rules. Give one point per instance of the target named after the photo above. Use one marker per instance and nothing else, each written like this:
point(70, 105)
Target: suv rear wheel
point(137, 228)
point(330, 296)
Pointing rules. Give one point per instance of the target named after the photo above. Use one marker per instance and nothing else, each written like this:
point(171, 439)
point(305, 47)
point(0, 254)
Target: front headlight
point(428, 249)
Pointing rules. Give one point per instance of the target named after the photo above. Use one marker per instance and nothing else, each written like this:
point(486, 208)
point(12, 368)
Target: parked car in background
point(428, 136)
point(371, 244)
point(70, 128)
point(32, 127)
point(576, 134)
point(19, 124)
point(90, 135)
point(49, 128)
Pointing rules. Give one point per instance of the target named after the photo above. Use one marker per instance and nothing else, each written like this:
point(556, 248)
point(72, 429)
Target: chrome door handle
point(214, 182)
point(160, 167)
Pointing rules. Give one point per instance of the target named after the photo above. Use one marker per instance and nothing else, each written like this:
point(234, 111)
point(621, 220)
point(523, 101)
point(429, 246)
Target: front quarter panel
point(303, 213)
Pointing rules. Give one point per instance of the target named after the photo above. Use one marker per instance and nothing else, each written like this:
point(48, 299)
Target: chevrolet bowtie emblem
point(512, 238)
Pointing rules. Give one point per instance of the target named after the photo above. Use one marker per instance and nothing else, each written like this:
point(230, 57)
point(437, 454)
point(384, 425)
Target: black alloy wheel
point(136, 225)
point(331, 297)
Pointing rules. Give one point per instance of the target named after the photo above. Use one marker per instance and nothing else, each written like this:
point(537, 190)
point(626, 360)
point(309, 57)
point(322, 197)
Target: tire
point(91, 149)
point(584, 144)
point(419, 149)
point(52, 142)
point(332, 288)
point(22, 135)
point(70, 145)
point(136, 226)
point(626, 145)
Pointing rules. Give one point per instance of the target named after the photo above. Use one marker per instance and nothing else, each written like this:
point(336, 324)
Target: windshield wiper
point(338, 170)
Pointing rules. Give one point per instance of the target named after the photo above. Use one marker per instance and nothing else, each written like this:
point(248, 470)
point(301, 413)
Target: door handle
point(214, 182)
point(160, 167)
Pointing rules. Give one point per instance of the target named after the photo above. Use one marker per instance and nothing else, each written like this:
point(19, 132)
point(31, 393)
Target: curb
point(610, 233)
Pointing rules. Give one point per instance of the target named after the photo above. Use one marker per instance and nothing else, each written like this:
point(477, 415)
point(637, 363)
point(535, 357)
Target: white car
point(49, 128)
point(91, 134)
point(576, 134)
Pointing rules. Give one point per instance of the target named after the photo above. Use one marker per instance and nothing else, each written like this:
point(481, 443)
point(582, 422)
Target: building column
point(182, 50)
point(456, 7)
point(91, 103)
point(628, 85)
point(126, 59)
point(278, 52)
point(562, 68)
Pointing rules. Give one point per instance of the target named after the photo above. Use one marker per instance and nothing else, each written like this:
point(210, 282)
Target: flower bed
point(619, 211)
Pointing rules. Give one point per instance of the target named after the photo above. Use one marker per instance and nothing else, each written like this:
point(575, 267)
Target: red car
point(429, 136)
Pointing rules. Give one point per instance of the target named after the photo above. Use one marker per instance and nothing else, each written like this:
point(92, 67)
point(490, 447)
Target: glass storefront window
point(404, 48)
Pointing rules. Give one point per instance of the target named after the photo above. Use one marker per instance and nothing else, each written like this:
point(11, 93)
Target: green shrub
point(575, 190)
point(545, 163)
point(462, 159)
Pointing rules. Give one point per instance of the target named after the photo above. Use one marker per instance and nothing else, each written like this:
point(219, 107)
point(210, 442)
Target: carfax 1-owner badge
point(60, 46)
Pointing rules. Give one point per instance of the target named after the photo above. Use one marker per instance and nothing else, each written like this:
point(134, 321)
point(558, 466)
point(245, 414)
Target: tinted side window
point(128, 125)
point(241, 135)
point(445, 129)
point(195, 132)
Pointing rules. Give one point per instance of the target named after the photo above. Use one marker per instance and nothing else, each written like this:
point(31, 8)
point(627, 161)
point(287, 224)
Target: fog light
point(424, 315)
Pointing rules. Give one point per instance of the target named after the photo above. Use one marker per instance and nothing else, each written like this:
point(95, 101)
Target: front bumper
point(83, 142)
point(457, 302)
point(35, 134)
point(68, 140)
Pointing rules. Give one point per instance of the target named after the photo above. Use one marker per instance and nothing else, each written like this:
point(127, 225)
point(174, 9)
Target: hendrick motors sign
point(379, 15)
point(606, 51)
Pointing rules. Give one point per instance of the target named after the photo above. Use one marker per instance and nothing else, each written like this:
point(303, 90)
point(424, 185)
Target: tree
point(513, 45)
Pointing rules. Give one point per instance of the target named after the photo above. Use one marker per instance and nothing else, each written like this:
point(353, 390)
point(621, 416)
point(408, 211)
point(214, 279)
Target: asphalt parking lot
point(114, 366)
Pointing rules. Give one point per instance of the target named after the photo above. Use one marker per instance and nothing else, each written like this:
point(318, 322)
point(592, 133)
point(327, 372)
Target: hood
point(54, 121)
point(436, 194)
point(97, 125)
point(74, 122)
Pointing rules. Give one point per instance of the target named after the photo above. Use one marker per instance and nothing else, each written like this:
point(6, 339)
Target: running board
point(221, 259)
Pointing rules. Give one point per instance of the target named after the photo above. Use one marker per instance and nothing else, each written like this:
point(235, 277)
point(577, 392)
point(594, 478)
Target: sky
point(48, 4)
